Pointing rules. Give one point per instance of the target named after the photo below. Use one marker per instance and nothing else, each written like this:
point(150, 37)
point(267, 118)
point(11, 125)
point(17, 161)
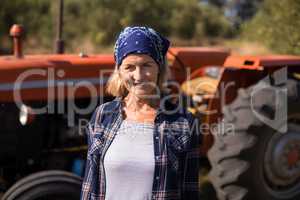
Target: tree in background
point(185, 17)
point(218, 3)
point(277, 25)
point(35, 15)
point(109, 17)
point(100, 21)
point(153, 13)
point(239, 11)
point(213, 24)
point(103, 19)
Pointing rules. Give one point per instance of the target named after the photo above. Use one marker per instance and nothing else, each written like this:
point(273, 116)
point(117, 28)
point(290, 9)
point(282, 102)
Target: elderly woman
point(141, 146)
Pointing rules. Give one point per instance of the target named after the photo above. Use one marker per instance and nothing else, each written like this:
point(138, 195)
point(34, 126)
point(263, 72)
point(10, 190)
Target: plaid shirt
point(176, 150)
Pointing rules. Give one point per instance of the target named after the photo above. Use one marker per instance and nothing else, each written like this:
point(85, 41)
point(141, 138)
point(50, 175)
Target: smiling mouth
point(138, 84)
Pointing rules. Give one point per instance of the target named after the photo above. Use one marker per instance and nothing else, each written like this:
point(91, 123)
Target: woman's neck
point(134, 101)
point(141, 110)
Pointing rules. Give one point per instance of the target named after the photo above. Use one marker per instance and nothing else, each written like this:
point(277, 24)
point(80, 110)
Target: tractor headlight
point(26, 115)
point(213, 72)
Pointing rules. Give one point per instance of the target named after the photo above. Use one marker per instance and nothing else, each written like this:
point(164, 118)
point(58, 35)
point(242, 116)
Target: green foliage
point(214, 24)
point(218, 3)
point(100, 21)
point(33, 14)
point(153, 13)
point(103, 19)
point(185, 17)
point(277, 25)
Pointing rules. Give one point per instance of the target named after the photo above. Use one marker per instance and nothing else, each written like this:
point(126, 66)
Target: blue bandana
point(141, 40)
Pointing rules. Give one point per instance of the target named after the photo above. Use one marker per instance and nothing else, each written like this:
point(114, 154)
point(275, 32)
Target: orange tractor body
point(90, 68)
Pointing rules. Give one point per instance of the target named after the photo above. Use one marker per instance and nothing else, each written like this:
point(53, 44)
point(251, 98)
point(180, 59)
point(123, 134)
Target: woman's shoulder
point(178, 116)
point(105, 109)
point(177, 111)
point(110, 105)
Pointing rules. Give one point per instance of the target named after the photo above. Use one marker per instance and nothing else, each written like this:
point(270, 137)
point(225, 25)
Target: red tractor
point(248, 106)
point(46, 102)
point(250, 111)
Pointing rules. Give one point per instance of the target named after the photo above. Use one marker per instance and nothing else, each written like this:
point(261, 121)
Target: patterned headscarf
point(141, 40)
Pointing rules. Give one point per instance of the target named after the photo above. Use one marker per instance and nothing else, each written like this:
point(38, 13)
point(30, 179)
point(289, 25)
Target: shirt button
point(157, 137)
point(157, 178)
point(156, 157)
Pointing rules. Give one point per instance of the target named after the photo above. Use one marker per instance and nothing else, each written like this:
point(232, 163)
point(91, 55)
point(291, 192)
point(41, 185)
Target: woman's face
point(139, 73)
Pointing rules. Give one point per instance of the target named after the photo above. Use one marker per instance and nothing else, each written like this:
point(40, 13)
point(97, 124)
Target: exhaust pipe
point(17, 32)
point(60, 45)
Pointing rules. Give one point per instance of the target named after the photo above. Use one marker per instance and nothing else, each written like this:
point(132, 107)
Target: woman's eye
point(148, 65)
point(129, 67)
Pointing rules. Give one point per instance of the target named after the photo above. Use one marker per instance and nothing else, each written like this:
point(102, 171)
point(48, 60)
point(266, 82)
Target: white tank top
point(129, 162)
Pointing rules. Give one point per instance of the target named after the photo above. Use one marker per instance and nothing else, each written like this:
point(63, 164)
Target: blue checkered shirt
point(176, 149)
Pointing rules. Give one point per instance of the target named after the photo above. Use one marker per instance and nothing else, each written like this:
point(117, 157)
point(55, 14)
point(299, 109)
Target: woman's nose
point(138, 74)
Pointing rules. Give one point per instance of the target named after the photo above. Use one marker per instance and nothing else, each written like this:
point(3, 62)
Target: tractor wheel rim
point(281, 166)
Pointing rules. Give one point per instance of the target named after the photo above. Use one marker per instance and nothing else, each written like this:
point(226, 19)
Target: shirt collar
point(164, 107)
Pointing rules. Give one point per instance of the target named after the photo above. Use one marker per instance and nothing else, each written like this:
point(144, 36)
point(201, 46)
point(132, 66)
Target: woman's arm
point(86, 183)
point(190, 187)
point(87, 179)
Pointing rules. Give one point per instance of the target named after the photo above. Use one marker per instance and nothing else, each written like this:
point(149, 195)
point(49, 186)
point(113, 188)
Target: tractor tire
point(256, 161)
point(52, 185)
